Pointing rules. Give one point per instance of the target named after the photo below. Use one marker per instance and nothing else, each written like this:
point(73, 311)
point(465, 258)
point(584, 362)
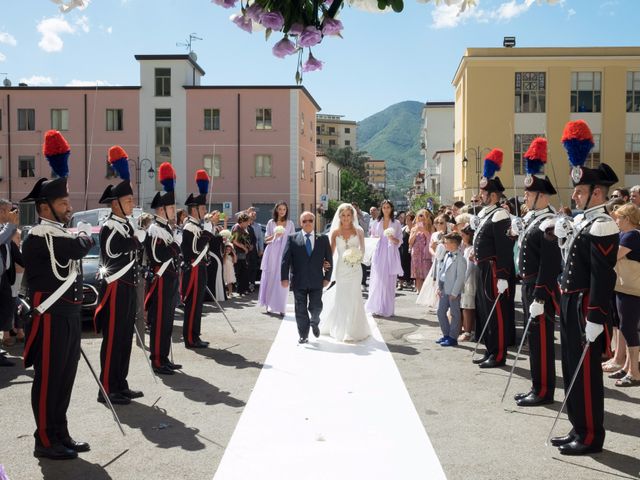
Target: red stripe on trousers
point(108, 291)
point(193, 289)
point(44, 386)
point(588, 408)
point(112, 326)
point(156, 360)
point(500, 355)
point(33, 333)
point(543, 357)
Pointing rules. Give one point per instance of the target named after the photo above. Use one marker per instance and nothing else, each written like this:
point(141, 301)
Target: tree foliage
point(426, 200)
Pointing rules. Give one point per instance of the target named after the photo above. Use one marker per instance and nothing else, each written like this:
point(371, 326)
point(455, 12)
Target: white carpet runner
point(327, 410)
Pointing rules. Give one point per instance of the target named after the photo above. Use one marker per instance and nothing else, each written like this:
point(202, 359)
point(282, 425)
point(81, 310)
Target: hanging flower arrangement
point(304, 23)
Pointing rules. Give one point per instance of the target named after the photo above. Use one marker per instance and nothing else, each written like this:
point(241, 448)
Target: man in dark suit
point(305, 257)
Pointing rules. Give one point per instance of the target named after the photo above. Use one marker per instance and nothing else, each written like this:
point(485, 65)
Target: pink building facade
point(256, 142)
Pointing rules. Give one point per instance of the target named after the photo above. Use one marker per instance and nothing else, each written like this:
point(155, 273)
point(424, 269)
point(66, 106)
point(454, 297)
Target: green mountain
point(394, 135)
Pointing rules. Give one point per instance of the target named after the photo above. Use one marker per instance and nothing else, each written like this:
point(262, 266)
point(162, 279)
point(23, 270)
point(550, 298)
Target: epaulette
point(548, 223)
point(117, 226)
point(42, 230)
point(192, 227)
point(603, 227)
point(499, 215)
point(160, 232)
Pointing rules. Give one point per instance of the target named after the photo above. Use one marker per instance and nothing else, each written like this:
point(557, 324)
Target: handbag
point(628, 277)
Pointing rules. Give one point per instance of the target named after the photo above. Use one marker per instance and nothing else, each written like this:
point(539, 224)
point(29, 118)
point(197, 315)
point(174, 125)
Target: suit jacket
point(306, 271)
point(454, 275)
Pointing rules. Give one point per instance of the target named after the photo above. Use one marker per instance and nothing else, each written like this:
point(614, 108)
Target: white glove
point(140, 235)
point(502, 285)
point(536, 309)
point(563, 228)
point(84, 228)
point(517, 225)
point(208, 227)
point(592, 331)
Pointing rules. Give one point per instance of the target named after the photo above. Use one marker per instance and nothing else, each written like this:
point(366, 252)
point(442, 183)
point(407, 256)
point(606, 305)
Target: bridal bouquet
point(352, 256)
point(226, 234)
point(389, 232)
point(279, 230)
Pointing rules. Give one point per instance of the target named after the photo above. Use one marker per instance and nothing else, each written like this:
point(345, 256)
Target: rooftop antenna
point(187, 44)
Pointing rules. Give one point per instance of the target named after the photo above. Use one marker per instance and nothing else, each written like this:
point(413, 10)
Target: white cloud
point(570, 13)
point(51, 29)
point(37, 80)
point(88, 83)
point(109, 30)
point(83, 23)
point(450, 15)
point(511, 9)
point(8, 39)
point(3, 57)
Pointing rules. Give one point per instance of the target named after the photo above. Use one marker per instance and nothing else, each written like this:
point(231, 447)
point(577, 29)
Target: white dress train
point(343, 316)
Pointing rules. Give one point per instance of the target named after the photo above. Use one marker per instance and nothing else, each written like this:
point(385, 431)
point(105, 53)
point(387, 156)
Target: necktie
point(308, 243)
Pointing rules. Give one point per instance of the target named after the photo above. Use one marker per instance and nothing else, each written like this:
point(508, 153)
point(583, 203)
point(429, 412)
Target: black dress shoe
point(492, 363)
point(199, 340)
point(132, 393)
point(518, 396)
point(163, 370)
point(482, 359)
point(55, 452)
point(316, 330)
point(577, 448)
point(558, 441)
point(5, 362)
point(533, 400)
point(173, 366)
point(197, 344)
point(303, 340)
point(79, 447)
point(115, 398)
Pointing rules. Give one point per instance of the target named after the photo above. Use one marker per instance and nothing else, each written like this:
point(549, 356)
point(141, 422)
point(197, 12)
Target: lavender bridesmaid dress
point(272, 294)
point(385, 268)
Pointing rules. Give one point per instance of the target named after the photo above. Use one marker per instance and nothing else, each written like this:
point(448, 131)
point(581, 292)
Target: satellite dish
point(193, 56)
point(6, 82)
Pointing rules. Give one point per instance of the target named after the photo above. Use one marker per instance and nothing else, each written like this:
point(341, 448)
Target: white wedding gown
point(343, 316)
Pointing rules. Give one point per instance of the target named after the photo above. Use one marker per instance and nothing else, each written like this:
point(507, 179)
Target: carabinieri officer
point(539, 264)
point(195, 246)
point(54, 282)
point(115, 314)
point(588, 280)
point(163, 255)
point(493, 251)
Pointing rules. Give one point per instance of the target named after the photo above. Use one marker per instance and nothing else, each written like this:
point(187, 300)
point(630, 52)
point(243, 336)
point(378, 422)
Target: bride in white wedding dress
point(343, 316)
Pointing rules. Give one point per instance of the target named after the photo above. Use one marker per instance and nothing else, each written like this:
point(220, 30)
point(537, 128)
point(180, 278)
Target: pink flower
point(225, 3)
point(272, 20)
point(243, 22)
point(309, 37)
point(296, 29)
point(331, 26)
point(283, 48)
point(254, 12)
point(311, 64)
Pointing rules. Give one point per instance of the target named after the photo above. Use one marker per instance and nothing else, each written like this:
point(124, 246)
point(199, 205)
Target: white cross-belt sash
point(163, 267)
point(55, 296)
point(200, 257)
point(119, 273)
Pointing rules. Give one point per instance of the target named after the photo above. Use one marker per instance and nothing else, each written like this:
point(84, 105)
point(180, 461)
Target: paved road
point(182, 425)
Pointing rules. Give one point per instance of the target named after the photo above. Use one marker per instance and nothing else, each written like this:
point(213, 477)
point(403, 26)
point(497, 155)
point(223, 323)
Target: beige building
point(327, 186)
point(333, 131)
point(504, 97)
point(376, 173)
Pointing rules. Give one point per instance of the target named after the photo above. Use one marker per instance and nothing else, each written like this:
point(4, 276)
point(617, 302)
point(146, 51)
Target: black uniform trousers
point(115, 317)
point(160, 304)
point(585, 405)
point(194, 281)
point(307, 301)
point(500, 332)
point(542, 356)
point(53, 348)
point(7, 302)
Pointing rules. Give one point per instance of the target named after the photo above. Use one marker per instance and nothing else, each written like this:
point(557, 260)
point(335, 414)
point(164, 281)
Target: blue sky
point(383, 58)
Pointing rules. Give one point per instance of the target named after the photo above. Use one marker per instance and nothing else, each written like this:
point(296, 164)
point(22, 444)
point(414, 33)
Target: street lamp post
point(477, 151)
point(315, 197)
point(139, 184)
